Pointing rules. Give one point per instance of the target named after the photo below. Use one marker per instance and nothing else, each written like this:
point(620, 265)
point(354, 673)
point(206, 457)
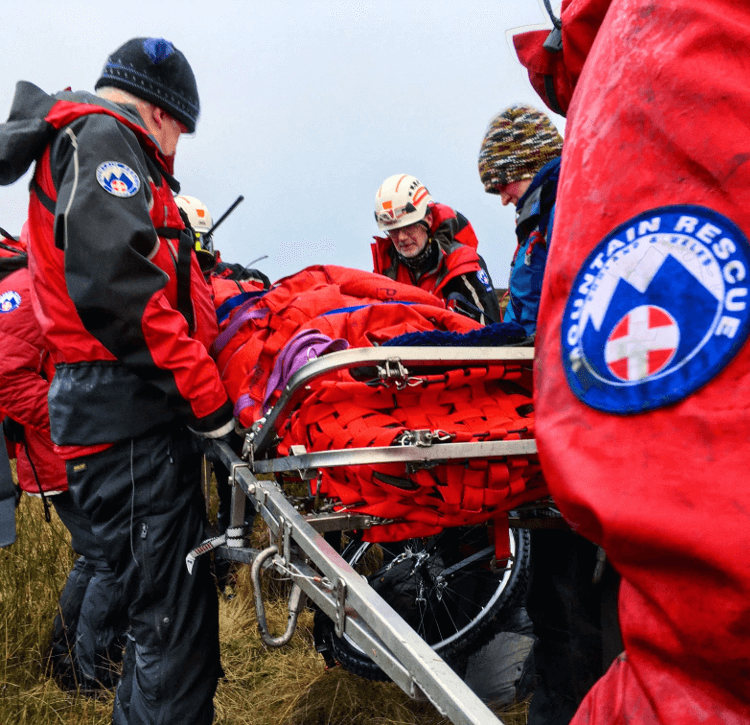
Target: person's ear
point(158, 115)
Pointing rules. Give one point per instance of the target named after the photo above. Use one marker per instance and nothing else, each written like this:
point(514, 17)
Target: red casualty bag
point(257, 331)
point(643, 366)
point(224, 289)
point(475, 404)
point(329, 308)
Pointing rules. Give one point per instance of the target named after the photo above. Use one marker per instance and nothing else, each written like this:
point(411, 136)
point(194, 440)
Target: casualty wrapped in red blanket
point(267, 337)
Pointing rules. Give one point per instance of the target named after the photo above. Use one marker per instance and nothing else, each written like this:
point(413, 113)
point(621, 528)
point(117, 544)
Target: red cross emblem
point(119, 186)
point(642, 343)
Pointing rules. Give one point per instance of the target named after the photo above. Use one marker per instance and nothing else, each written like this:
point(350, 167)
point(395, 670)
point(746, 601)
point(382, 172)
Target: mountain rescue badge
point(118, 179)
point(658, 309)
point(9, 301)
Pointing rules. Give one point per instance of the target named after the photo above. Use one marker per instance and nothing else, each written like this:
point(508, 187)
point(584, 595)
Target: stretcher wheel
point(447, 588)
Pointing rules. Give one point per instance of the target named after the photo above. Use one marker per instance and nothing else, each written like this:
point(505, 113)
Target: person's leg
point(101, 630)
point(224, 494)
point(61, 657)
point(565, 606)
point(225, 569)
point(222, 567)
point(145, 504)
point(91, 619)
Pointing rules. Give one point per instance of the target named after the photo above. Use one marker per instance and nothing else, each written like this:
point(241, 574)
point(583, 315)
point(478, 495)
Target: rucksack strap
point(184, 250)
point(7, 498)
point(44, 198)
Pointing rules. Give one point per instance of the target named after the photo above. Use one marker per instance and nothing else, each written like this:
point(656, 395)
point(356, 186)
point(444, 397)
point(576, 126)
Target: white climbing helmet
point(401, 200)
point(199, 217)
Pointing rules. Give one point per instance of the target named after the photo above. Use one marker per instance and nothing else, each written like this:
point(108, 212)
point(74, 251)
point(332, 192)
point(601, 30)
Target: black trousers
point(88, 632)
point(143, 500)
point(575, 623)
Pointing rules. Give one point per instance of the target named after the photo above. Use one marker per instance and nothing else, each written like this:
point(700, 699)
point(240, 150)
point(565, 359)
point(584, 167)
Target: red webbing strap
point(473, 404)
point(473, 482)
point(502, 540)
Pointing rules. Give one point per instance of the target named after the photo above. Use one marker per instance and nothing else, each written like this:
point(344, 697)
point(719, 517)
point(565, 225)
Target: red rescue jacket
point(457, 242)
point(25, 371)
point(554, 74)
point(124, 310)
point(643, 366)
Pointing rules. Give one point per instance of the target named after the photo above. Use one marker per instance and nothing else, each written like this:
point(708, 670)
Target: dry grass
point(288, 686)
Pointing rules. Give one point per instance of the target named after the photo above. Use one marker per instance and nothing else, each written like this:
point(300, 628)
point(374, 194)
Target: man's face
point(511, 193)
point(410, 240)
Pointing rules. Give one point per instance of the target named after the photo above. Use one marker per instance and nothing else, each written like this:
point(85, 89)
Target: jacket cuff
point(216, 425)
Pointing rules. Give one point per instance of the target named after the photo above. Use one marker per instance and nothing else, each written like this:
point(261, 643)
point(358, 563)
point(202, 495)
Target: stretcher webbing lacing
point(475, 404)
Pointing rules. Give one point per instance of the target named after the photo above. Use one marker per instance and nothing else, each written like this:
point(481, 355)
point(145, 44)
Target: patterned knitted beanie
point(154, 70)
point(519, 141)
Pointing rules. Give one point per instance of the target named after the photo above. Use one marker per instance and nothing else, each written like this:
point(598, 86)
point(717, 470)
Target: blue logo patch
point(484, 280)
point(118, 179)
point(9, 301)
point(658, 309)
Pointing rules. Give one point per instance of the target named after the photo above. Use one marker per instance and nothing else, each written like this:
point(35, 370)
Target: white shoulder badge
point(9, 301)
point(118, 179)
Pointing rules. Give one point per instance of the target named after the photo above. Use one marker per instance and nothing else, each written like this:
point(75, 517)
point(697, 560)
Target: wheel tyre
point(498, 595)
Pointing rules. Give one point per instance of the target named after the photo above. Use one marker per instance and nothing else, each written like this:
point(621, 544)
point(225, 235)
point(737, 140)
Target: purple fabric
point(244, 401)
point(306, 346)
point(244, 314)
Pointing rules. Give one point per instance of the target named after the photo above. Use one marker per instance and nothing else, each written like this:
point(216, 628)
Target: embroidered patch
point(657, 310)
point(484, 280)
point(9, 301)
point(118, 179)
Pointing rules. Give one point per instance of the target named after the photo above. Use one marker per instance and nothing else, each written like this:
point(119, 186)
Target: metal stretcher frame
point(315, 566)
point(418, 358)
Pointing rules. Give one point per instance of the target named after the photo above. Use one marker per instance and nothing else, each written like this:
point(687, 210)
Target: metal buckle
point(423, 438)
point(393, 372)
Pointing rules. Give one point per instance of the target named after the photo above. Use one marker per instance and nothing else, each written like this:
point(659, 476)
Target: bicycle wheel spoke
point(446, 587)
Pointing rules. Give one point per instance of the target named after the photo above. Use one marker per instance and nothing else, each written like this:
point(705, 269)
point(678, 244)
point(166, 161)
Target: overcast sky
point(307, 106)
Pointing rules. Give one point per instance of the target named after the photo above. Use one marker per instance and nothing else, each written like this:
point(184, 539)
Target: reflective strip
point(206, 546)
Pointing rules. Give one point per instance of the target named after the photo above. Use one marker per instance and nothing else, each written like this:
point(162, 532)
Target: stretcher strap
point(245, 313)
point(223, 311)
point(244, 401)
point(306, 346)
point(471, 405)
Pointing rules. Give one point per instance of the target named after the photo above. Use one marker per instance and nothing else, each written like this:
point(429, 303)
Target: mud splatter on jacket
point(643, 364)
